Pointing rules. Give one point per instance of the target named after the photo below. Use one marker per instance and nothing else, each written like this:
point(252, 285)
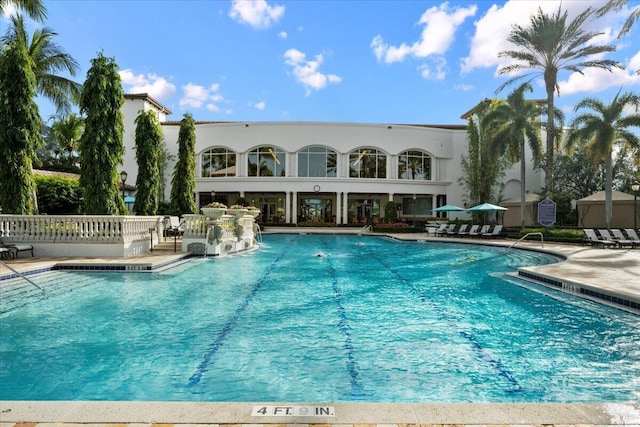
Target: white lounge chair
point(441, 229)
point(473, 229)
point(172, 226)
point(462, 228)
point(619, 237)
point(483, 230)
point(595, 240)
point(493, 233)
point(632, 235)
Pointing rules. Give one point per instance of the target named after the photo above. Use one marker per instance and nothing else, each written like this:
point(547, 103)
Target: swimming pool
point(320, 318)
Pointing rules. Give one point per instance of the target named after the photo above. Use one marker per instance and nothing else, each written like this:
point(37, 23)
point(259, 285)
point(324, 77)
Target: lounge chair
point(172, 226)
point(632, 235)
point(619, 237)
point(6, 252)
point(494, 233)
point(462, 228)
point(17, 247)
point(473, 229)
point(595, 240)
point(483, 230)
point(441, 229)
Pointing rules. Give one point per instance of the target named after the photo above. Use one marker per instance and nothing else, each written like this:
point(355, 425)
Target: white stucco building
point(332, 172)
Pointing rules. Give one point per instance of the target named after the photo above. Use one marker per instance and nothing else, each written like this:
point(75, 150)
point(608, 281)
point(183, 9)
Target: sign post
point(547, 213)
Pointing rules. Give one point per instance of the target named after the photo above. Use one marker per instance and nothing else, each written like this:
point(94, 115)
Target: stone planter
point(253, 212)
point(213, 212)
point(238, 213)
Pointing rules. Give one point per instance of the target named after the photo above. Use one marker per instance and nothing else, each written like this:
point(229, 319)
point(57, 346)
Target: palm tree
point(49, 59)
point(619, 5)
point(603, 128)
point(66, 131)
point(549, 45)
point(34, 8)
point(512, 123)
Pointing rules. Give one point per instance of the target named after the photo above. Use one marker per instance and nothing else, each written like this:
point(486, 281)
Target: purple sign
point(547, 212)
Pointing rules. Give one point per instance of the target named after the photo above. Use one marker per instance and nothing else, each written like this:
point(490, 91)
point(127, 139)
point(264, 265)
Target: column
point(287, 206)
point(345, 207)
point(294, 207)
point(338, 207)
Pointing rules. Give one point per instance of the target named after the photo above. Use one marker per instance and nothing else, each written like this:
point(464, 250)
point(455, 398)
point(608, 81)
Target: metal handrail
point(367, 227)
point(537, 233)
point(22, 275)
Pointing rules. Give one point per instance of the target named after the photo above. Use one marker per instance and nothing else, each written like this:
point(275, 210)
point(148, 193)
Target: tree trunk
point(550, 146)
point(608, 198)
point(523, 185)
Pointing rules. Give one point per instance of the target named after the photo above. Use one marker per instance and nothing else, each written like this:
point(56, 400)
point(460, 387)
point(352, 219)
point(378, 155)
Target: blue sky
point(345, 61)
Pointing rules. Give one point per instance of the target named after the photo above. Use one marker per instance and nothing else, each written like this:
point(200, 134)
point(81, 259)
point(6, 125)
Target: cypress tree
point(148, 147)
point(19, 129)
point(183, 183)
point(101, 145)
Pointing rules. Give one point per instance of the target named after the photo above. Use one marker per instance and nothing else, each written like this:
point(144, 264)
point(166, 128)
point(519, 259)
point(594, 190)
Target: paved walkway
point(614, 271)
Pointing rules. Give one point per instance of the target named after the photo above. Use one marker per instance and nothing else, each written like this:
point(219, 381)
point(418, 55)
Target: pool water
point(319, 318)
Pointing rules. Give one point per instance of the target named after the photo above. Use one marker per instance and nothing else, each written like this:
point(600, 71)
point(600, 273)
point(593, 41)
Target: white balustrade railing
point(78, 228)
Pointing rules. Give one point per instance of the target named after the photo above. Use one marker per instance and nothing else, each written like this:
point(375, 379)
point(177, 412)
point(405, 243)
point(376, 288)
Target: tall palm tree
point(513, 123)
point(601, 129)
point(34, 8)
point(549, 45)
point(619, 5)
point(49, 59)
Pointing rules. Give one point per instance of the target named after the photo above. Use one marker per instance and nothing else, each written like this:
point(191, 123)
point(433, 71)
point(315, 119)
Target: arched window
point(217, 162)
point(414, 164)
point(317, 161)
point(367, 163)
point(266, 161)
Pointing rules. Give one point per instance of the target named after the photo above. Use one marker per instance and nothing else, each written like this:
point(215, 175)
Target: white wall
point(446, 146)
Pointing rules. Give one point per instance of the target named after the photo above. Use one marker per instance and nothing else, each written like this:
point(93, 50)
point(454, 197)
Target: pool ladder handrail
point(22, 275)
point(366, 228)
point(537, 233)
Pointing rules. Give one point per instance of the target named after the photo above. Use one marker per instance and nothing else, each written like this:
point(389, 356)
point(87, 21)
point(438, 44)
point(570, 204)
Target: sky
point(417, 62)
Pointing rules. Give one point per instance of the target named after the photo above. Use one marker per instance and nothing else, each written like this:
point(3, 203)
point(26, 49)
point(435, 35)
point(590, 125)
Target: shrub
point(58, 195)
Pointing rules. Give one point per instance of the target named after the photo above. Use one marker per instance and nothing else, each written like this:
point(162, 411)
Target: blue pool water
point(318, 319)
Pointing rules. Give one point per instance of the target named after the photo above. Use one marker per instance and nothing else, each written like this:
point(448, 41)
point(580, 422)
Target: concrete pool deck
point(615, 271)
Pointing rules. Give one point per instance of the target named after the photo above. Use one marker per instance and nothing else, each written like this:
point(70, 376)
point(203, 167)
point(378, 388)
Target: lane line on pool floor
point(480, 353)
point(357, 389)
point(231, 323)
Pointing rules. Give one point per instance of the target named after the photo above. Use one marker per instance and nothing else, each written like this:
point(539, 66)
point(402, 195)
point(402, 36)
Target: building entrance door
point(316, 210)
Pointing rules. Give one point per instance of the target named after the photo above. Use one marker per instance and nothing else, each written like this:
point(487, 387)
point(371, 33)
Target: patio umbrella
point(486, 207)
point(449, 208)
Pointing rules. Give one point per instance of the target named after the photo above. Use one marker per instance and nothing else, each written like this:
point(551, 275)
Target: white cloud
point(463, 87)
point(256, 13)
point(283, 34)
point(152, 84)
point(260, 105)
point(307, 72)
point(597, 80)
point(438, 72)
point(440, 24)
point(196, 96)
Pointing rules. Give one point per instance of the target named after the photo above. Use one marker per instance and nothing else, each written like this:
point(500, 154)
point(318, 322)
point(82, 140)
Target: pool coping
point(83, 412)
point(349, 414)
